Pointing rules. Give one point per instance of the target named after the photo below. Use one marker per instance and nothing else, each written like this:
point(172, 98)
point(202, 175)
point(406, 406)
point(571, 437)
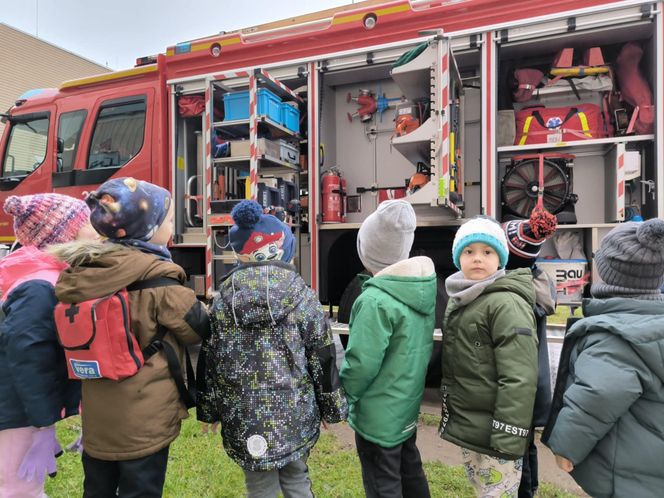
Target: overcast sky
point(116, 32)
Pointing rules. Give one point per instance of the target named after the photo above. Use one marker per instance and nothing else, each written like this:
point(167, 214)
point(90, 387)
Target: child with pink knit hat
point(34, 390)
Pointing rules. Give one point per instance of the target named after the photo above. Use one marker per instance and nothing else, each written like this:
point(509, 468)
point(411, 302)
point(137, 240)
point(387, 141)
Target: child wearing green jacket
point(489, 359)
point(391, 338)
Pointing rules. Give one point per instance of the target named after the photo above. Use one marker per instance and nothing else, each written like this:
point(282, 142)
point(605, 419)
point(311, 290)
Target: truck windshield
point(26, 148)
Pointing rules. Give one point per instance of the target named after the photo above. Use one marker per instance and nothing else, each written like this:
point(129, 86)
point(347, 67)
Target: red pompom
point(542, 223)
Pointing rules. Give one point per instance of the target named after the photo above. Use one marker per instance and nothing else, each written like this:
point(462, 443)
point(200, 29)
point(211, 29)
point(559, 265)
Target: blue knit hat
point(484, 230)
point(126, 208)
point(258, 236)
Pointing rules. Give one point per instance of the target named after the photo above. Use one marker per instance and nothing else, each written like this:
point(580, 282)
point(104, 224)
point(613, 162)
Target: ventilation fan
point(520, 186)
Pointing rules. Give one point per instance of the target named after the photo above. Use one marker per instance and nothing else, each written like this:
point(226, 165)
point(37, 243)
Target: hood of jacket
point(403, 282)
point(100, 269)
point(638, 322)
point(28, 263)
point(519, 282)
point(262, 292)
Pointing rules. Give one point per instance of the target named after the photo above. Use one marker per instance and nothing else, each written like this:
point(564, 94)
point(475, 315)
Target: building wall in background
point(27, 63)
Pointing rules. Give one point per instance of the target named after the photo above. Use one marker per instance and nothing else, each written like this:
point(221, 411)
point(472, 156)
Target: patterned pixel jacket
point(268, 370)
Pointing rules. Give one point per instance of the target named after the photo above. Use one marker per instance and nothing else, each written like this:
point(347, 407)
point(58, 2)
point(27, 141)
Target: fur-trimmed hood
point(102, 268)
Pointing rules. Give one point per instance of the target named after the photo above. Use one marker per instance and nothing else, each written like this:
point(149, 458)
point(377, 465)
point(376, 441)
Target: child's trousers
point(392, 472)
point(492, 477)
point(293, 480)
point(139, 478)
point(14, 444)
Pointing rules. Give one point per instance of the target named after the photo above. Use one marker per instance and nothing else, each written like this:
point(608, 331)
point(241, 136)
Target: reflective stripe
point(526, 127)
point(584, 124)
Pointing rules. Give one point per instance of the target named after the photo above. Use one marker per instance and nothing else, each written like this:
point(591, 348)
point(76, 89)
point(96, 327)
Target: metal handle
point(187, 211)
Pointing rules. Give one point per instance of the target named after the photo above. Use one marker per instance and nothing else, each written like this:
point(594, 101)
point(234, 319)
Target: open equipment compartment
point(611, 178)
point(377, 164)
point(611, 175)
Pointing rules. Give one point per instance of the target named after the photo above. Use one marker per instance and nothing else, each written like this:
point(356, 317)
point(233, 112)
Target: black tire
point(351, 293)
point(435, 368)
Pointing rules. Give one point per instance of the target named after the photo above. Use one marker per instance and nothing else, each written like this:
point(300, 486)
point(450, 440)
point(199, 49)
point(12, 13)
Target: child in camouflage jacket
point(268, 370)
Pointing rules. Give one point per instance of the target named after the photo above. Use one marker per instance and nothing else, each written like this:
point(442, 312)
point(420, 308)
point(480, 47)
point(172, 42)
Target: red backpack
point(99, 343)
point(537, 124)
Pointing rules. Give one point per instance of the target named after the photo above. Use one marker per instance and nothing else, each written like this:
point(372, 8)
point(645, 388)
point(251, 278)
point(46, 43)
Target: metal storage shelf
point(416, 146)
point(241, 127)
point(594, 145)
point(267, 163)
point(414, 77)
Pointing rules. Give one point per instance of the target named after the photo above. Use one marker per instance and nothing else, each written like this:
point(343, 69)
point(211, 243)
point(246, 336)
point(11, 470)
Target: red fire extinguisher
point(333, 196)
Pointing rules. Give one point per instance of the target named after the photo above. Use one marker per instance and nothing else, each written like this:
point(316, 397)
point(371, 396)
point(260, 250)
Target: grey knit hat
point(386, 236)
point(630, 261)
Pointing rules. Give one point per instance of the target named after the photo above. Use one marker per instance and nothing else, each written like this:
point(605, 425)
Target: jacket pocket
point(480, 345)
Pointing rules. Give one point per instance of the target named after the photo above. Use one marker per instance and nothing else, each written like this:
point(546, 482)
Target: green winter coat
point(608, 406)
point(391, 338)
point(490, 368)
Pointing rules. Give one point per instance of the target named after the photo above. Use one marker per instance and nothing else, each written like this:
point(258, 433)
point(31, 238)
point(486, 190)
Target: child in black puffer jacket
point(524, 240)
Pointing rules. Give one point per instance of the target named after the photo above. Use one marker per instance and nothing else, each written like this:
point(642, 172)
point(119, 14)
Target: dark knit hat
point(258, 236)
point(630, 261)
point(525, 237)
point(126, 208)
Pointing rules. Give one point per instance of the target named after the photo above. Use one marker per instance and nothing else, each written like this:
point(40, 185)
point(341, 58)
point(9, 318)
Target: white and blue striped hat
point(484, 230)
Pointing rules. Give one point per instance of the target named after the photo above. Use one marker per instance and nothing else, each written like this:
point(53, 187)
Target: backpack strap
point(187, 394)
point(153, 282)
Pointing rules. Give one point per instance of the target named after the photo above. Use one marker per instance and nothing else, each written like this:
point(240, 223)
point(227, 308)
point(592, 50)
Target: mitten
point(39, 460)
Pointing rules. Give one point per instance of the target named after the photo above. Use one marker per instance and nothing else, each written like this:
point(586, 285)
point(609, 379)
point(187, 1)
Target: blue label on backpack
point(85, 369)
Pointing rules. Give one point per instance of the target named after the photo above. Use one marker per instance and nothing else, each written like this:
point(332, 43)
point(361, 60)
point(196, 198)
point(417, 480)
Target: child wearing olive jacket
point(489, 359)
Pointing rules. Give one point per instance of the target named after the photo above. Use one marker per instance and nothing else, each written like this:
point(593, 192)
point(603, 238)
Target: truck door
point(101, 137)
point(27, 159)
point(434, 147)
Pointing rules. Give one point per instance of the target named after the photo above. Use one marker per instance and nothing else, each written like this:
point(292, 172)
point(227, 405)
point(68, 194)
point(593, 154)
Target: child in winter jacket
point(34, 390)
point(525, 239)
point(390, 344)
point(129, 425)
point(606, 425)
point(269, 372)
point(489, 359)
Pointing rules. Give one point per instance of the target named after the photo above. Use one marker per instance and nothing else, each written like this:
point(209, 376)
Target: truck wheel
point(435, 368)
point(351, 292)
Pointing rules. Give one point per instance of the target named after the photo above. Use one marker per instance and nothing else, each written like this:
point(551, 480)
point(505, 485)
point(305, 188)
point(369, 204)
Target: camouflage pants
point(492, 477)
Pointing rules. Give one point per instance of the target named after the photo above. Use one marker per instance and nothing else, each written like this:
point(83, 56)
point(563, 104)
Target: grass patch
point(429, 419)
point(562, 314)
point(198, 467)
point(547, 490)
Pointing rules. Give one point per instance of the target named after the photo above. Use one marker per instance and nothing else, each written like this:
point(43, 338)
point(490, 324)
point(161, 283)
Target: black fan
point(521, 183)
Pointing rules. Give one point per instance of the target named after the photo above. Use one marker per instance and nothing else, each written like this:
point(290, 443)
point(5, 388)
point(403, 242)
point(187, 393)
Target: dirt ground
point(433, 448)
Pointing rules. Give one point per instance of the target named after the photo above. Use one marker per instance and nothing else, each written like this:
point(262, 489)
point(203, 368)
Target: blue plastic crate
point(236, 105)
point(290, 117)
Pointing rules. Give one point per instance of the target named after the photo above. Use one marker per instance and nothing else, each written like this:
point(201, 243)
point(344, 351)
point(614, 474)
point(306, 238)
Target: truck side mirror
point(61, 145)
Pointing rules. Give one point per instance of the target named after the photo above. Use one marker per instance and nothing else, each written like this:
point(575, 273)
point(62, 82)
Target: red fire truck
point(323, 116)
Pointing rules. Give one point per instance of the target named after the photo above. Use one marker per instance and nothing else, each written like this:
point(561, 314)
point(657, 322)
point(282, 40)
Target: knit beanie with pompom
point(258, 236)
point(44, 219)
point(630, 261)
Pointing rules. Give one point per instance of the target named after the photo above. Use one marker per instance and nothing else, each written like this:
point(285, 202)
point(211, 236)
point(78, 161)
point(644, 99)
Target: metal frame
point(313, 158)
point(489, 116)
